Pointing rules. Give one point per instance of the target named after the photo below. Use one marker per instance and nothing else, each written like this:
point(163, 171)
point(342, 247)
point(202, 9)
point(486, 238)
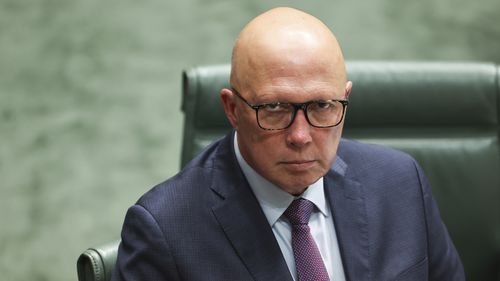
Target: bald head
point(284, 40)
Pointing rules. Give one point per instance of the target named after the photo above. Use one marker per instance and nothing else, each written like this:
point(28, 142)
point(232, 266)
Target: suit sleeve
point(444, 261)
point(143, 253)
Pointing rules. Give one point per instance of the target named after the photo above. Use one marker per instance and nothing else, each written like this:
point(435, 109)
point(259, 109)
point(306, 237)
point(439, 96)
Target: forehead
point(296, 89)
point(294, 75)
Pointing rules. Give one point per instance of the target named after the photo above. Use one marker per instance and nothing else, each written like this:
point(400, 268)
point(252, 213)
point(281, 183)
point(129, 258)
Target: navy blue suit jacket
point(206, 224)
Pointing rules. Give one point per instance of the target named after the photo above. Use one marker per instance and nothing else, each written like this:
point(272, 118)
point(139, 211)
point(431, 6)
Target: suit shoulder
point(359, 154)
point(191, 183)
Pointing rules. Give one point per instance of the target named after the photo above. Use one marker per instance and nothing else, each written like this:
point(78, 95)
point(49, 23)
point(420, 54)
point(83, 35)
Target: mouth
point(298, 165)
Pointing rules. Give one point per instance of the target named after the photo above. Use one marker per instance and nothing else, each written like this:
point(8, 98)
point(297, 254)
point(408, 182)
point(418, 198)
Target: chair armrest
point(96, 264)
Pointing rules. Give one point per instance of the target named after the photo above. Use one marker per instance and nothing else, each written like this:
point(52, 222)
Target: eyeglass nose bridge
point(296, 107)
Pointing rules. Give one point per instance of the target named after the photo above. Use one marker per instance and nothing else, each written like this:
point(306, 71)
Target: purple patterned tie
point(308, 261)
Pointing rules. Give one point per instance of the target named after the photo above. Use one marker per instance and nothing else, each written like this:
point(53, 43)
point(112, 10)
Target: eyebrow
point(275, 101)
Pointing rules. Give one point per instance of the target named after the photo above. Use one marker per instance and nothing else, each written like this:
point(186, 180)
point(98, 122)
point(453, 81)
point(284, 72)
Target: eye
point(275, 107)
point(323, 104)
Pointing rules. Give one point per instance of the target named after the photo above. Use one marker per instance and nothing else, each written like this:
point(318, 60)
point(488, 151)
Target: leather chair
point(96, 264)
point(444, 114)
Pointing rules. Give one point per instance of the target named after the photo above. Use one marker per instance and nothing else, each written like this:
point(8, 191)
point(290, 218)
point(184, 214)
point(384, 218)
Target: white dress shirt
point(274, 201)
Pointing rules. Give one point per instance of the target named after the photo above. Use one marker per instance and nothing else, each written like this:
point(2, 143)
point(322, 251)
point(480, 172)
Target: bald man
point(282, 197)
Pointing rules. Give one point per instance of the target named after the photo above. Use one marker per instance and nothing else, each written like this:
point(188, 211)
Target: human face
point(295, 157)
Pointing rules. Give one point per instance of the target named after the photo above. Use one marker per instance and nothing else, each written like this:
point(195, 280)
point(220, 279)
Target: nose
point(298, 134)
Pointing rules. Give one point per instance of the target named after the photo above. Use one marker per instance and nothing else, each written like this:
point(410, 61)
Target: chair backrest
point(444, 114)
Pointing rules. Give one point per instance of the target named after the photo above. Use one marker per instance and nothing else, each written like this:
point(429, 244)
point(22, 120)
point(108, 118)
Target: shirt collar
point(274, 200)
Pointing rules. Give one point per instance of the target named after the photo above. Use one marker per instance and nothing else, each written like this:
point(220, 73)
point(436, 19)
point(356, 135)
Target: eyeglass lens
point(319, 114)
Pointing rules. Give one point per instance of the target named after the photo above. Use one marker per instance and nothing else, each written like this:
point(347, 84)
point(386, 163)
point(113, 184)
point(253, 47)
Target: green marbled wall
point(90, 98)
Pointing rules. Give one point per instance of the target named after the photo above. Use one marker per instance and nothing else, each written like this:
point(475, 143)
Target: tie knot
point(299, 211)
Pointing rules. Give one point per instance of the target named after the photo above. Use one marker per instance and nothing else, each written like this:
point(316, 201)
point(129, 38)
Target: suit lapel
point(243, 221)
point(346, 200)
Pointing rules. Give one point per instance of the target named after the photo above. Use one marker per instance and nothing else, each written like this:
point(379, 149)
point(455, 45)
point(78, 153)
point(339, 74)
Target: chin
point(295, 191)
point(298, 187)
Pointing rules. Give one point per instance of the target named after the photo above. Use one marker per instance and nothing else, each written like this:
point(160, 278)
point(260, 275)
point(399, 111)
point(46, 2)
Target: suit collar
point(346, 198)
point(241, 218)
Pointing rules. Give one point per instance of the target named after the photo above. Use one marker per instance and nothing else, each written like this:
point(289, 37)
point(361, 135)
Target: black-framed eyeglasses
point(280, 115)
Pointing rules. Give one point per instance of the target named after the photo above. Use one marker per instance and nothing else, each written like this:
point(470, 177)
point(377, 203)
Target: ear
point(348, 89)
point(227, 98)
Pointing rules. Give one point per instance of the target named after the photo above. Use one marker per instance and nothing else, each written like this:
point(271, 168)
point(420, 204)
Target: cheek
point(267, 146)
point(326, 146)
point(260, 147)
